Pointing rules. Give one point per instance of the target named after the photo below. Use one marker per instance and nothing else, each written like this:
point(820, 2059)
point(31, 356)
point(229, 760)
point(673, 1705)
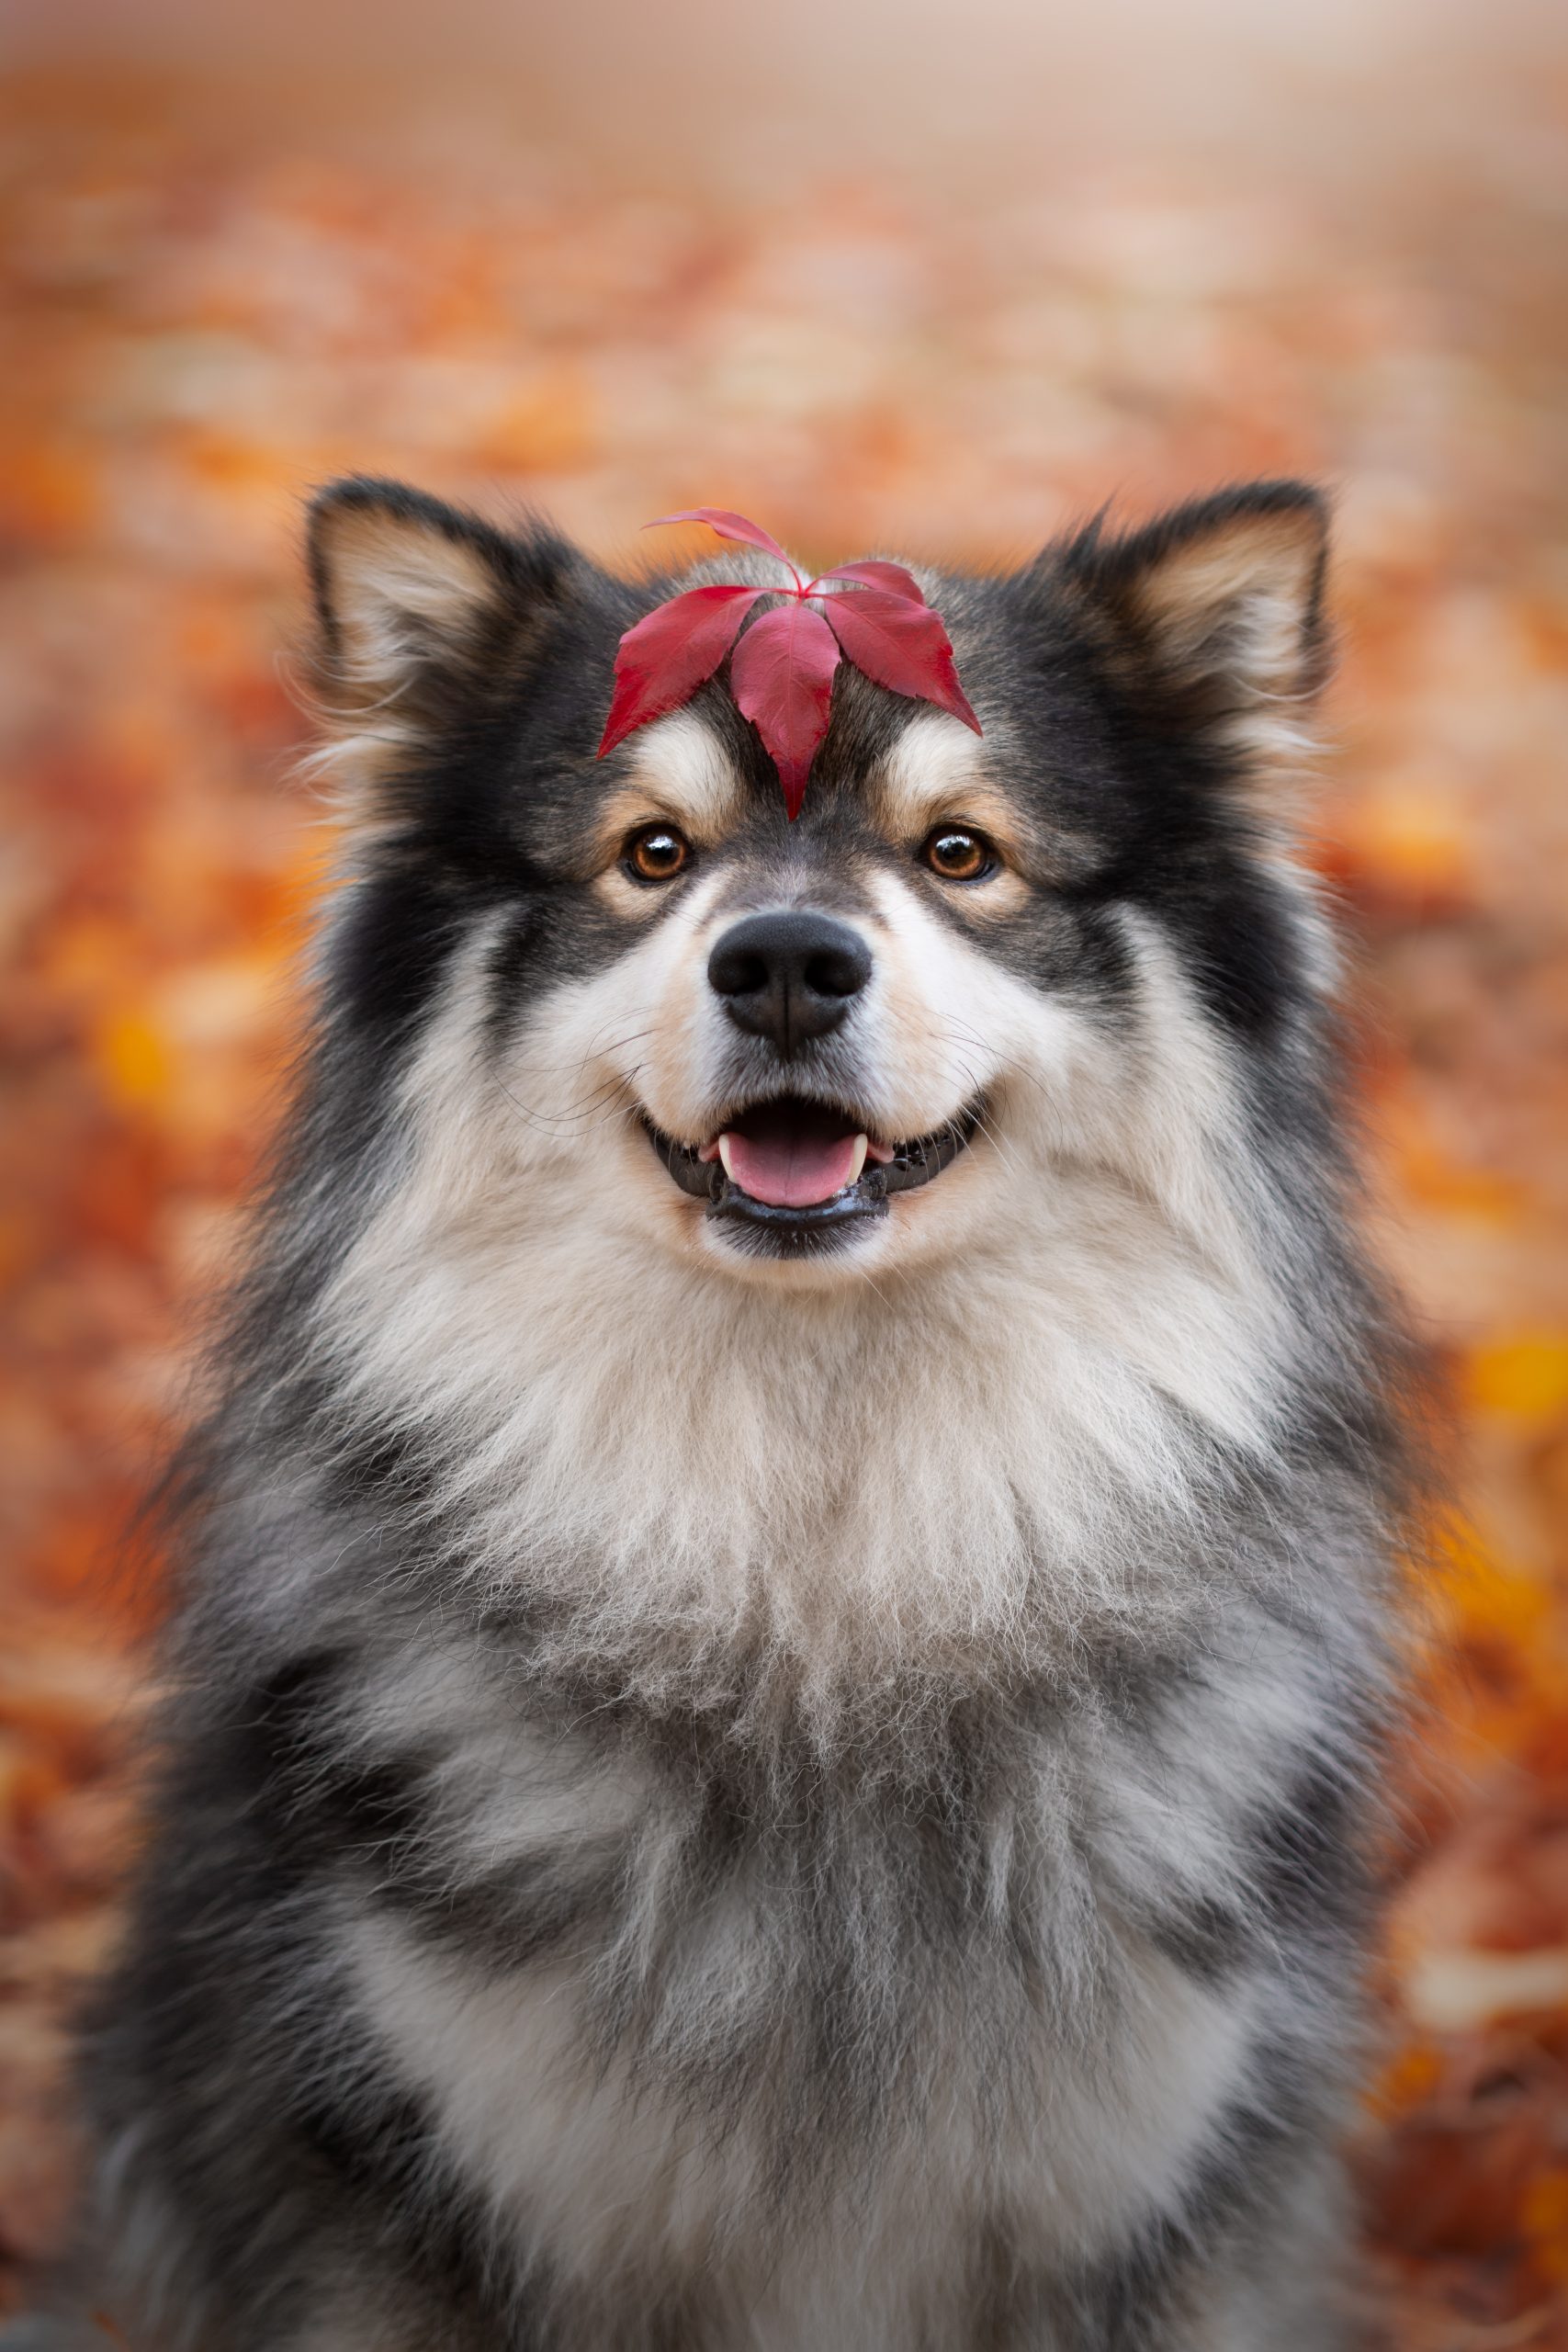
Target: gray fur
point(708, 1808)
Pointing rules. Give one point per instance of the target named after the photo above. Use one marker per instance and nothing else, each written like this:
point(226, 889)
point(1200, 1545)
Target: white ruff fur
point(921, 1451)
point(616, 2177)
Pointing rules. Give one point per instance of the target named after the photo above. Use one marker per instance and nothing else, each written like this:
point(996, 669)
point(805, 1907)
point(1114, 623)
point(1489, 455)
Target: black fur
point(271, 2165)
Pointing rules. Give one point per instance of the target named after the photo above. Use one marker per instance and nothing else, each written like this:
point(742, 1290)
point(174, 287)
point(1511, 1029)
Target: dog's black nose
point(789, 976)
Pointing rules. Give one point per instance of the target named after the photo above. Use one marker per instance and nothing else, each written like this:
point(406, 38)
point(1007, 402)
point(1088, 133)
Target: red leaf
point(666, 657)
point(901, 646)
point(781, 678)
point(872, 613)
point(876, 574)
point(730, 526)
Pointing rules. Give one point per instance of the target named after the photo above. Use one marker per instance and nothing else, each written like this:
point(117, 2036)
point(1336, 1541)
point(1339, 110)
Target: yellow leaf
point(1523, 1378)
point(133, 1058)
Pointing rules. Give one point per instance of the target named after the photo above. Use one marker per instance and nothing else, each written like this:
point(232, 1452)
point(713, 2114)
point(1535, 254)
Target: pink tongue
point(791, 1173)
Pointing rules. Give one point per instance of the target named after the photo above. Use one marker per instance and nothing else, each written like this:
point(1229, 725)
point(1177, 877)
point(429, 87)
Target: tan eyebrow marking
point(679, 771)
point(937, 769)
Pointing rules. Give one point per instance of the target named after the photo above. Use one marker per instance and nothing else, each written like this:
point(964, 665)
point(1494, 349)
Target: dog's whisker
point(1011, 1063)
point(597, 1049)
point(600, 1108)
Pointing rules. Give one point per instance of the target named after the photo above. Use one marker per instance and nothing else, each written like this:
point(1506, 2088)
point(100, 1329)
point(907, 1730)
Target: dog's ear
point(420, 608)
point(1215, 611)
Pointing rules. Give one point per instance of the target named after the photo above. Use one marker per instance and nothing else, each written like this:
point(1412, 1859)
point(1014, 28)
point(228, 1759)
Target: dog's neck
point(1015, 1447)
point(957, 1462)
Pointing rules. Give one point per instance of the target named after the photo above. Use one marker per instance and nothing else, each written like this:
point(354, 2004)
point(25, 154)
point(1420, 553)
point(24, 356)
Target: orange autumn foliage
point(217, 320)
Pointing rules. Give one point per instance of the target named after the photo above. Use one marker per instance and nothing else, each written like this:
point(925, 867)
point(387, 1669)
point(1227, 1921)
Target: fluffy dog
point(786, 1597)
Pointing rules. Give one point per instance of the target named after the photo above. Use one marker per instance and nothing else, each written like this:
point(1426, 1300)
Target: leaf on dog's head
point(676, 649)
point(781, 678)
point(901, 646)
point(874, 572)
point(730, 526)
point(873, 614)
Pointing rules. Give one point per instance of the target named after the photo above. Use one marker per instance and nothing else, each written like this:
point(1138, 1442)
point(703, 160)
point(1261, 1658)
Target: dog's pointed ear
point(419, 607)
point(1217, 610)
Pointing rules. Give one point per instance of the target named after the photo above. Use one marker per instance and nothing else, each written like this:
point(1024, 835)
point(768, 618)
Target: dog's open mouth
point(801, 1171)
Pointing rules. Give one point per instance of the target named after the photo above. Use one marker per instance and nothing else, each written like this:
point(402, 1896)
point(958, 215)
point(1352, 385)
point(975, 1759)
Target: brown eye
point(656, 854)
point(957, 854)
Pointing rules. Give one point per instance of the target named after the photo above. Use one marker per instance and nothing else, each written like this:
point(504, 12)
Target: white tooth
point(858, 1162)
point(723, 1155)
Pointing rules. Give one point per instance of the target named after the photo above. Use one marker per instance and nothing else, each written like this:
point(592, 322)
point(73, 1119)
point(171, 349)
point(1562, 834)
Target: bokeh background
point(886, 277)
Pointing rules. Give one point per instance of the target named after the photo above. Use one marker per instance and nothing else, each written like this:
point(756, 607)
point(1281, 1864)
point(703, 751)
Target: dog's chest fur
point(686, 2014)
point(811, 1970)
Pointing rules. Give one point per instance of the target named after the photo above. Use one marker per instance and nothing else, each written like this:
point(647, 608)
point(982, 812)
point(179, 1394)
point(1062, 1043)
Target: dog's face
point(816, 1053)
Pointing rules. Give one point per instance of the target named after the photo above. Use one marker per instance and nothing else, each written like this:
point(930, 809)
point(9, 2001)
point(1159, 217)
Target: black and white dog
point(786, 1598)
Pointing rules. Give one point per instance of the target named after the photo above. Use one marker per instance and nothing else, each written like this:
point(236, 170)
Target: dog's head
point(870, 1040)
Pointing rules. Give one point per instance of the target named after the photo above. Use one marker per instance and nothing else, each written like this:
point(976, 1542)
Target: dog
point(787, 1606)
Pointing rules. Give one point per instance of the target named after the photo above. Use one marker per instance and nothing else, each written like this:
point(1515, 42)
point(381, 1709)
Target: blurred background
point(883, 275)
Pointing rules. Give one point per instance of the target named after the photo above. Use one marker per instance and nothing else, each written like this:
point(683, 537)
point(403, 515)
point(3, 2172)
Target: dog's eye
point(957, 854)
point(656, 854)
